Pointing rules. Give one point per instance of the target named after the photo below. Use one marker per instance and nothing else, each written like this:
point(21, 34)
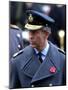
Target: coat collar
point(31, 62)
point(37, 71)
point(52, 60)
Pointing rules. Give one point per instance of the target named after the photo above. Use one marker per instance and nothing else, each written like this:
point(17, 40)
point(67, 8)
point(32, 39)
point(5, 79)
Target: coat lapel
point(32, 63)
point(51, 60)
point(37, 71)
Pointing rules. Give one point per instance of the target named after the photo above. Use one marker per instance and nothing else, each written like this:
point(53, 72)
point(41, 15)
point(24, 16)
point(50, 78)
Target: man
point(15, 40)
point(41, 63)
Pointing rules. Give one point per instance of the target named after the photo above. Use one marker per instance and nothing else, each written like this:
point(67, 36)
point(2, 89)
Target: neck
point(41, 47)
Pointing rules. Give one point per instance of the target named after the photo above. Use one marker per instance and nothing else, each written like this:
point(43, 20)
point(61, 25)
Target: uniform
point(26, 70)
point(15, 40)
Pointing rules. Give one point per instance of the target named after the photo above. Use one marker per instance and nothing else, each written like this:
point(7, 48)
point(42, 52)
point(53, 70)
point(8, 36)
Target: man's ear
point(46, 34)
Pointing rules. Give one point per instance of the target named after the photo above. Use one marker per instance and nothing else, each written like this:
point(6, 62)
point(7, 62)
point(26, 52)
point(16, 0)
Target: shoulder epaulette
point(62, 51)
point(14, 27)
point(18, 53)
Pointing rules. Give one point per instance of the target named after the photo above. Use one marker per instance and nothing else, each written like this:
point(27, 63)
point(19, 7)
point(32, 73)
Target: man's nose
point(31, 36)
point(31, 32)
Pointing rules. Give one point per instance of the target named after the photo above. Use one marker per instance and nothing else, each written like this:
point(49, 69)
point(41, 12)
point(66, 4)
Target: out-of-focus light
point(59, 6)
point(61, 33)
point(46, 9)
point(29, 5)
point(25, 35)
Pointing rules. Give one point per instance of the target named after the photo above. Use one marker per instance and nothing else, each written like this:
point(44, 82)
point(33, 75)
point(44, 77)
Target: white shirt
point(43, 52)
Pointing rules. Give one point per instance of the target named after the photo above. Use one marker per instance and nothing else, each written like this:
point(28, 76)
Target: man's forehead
point(39, 30)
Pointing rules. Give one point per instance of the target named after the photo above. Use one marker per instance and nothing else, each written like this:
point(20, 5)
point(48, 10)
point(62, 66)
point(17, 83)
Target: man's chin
point(34, 46)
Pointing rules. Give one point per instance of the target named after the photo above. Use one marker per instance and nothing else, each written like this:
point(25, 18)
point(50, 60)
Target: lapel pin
point(52, 69)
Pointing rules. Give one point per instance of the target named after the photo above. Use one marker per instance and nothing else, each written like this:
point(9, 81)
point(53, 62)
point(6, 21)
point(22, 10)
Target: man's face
point(37, 38)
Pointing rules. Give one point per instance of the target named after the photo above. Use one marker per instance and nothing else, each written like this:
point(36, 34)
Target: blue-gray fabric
point(15, 39)
point(26, 70)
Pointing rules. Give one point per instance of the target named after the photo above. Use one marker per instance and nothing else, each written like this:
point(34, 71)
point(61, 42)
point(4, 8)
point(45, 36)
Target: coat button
point(32, 86)
point(18, 35)
point(50, 84)
point(19, 46)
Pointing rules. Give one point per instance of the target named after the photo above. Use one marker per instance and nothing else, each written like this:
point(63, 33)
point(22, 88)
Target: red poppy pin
point(52, 69)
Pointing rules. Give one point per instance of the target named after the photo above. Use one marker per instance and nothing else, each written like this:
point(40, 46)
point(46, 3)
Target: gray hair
point(47, 29)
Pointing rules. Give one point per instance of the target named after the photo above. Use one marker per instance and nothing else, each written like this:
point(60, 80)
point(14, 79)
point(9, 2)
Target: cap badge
point(30, 18)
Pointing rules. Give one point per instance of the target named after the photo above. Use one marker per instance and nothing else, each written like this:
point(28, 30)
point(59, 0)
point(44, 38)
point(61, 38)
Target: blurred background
point(57, 12)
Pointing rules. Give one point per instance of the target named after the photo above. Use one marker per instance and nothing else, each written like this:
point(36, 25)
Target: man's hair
point(47, 29)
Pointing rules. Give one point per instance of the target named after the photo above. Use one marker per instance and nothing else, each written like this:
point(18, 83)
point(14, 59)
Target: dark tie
point(40, 57)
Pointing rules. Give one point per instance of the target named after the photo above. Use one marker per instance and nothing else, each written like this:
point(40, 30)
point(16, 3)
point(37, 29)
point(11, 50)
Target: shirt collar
point(44, 51)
